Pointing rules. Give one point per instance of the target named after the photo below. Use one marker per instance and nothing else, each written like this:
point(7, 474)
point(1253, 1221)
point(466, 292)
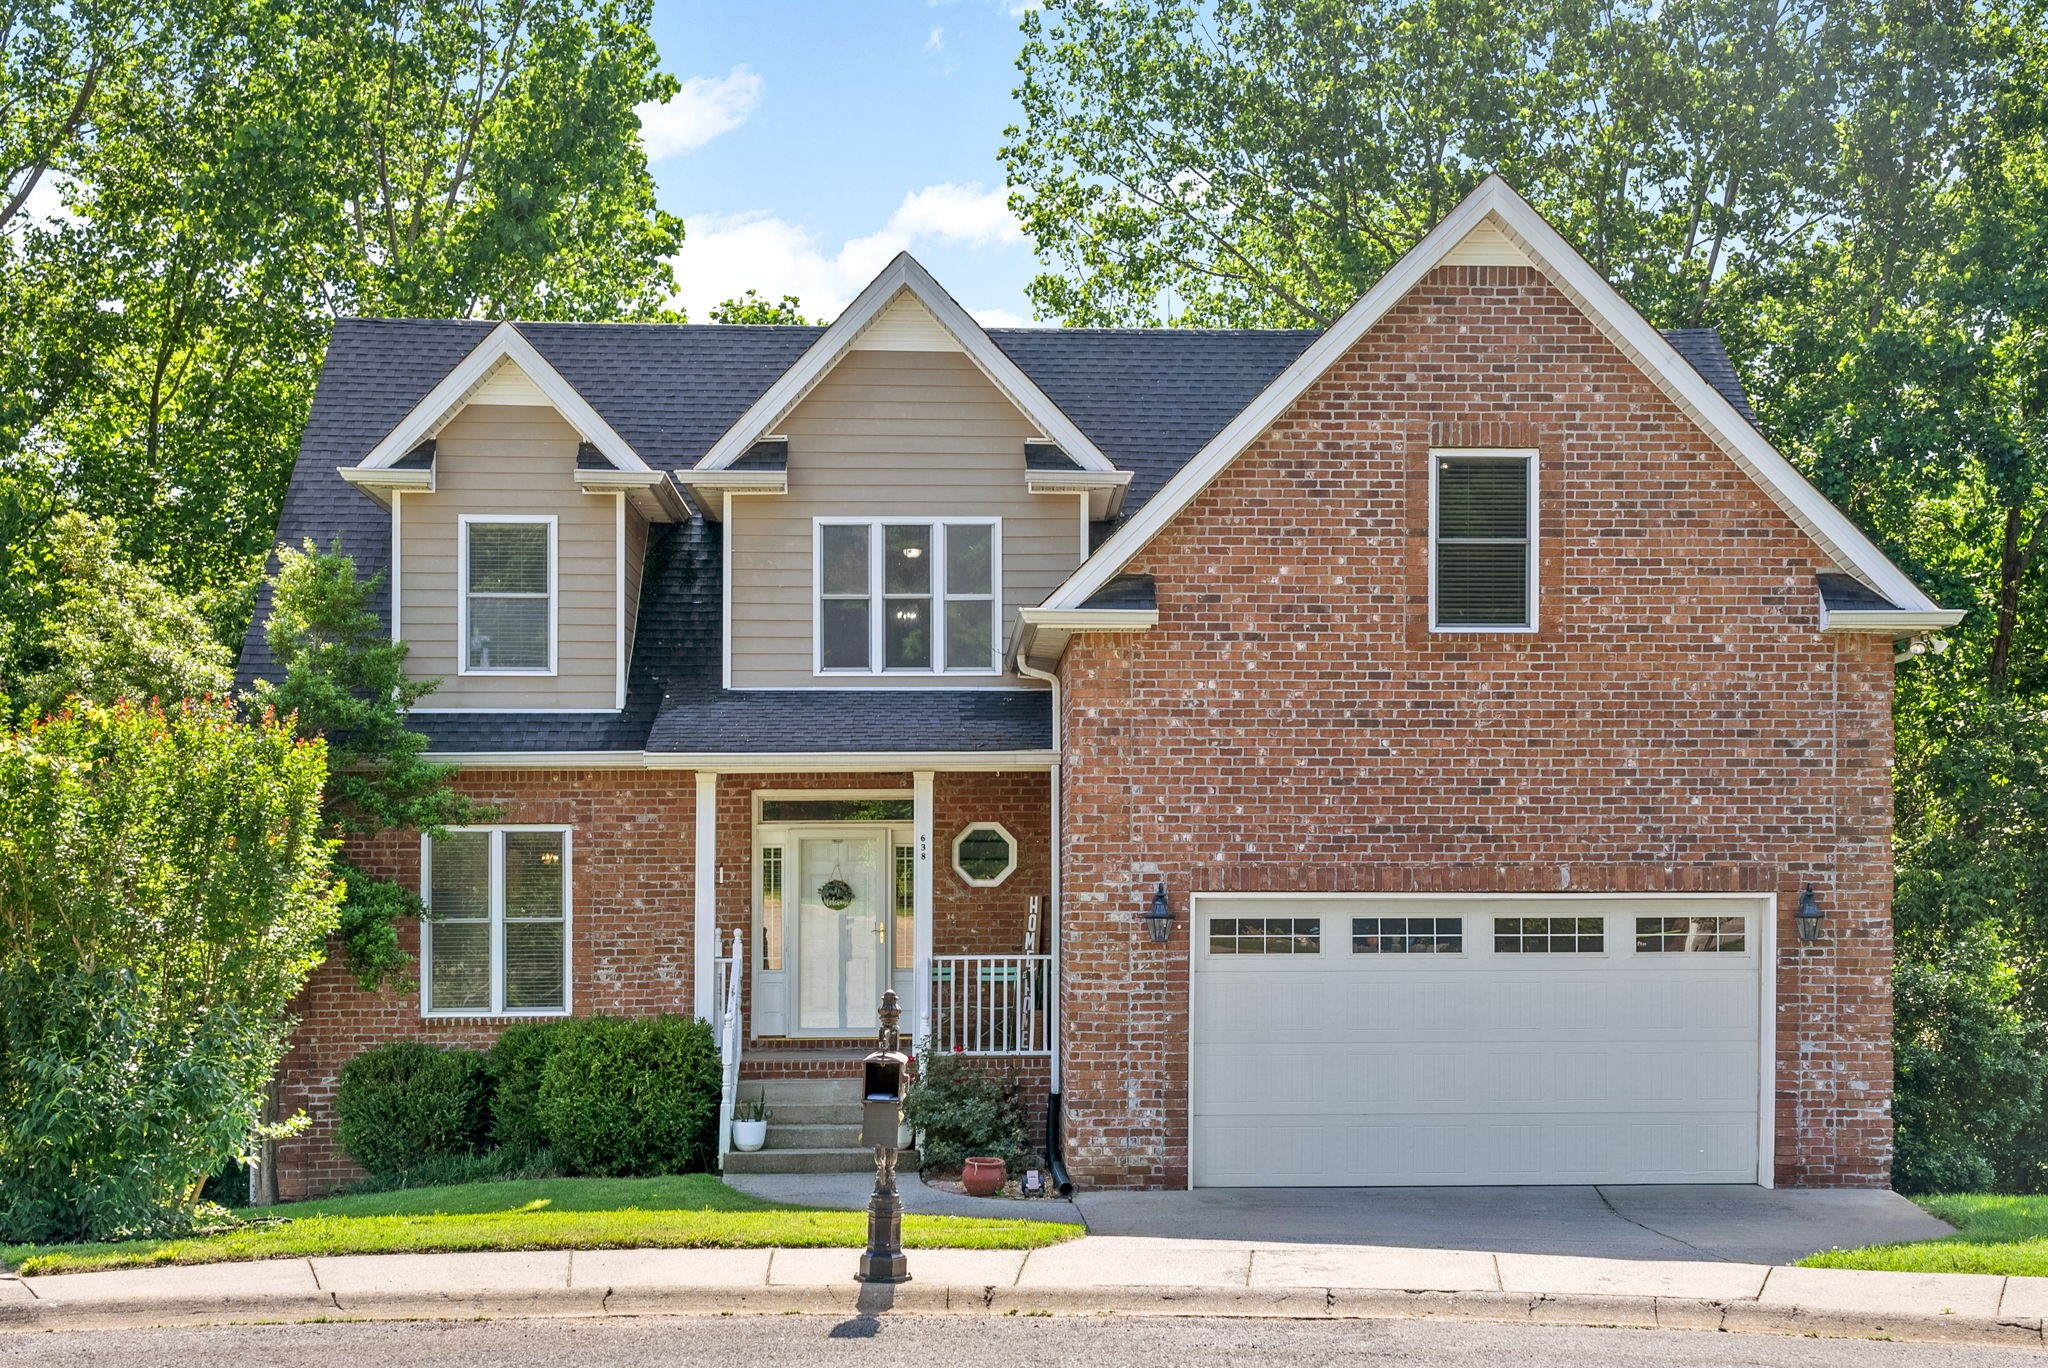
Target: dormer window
point(508, 598)
point(1482, 541)
point(907, 596)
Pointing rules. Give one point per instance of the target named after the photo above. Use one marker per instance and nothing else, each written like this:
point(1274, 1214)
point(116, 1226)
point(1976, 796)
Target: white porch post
point(921, 813)
point(704, 935)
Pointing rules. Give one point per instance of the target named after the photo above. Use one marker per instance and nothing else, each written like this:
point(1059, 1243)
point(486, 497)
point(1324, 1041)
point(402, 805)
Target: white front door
point(840, 890)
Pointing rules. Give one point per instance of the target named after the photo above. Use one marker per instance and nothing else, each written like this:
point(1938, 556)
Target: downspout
point(1055, 1161)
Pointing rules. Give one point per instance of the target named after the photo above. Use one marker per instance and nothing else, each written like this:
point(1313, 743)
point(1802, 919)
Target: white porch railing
point(991, 1004)
point(725, 1028)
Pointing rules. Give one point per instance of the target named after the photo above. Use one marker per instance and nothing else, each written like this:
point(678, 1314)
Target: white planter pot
point(905, 1137)
point(749, 1135)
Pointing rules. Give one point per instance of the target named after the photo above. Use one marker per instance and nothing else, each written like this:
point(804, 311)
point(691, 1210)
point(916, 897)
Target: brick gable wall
point(1676, 724)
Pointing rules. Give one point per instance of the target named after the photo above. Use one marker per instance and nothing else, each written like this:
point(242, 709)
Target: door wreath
point(836, 894)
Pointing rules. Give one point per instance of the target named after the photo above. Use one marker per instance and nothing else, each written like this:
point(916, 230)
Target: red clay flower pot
point(983, 1177)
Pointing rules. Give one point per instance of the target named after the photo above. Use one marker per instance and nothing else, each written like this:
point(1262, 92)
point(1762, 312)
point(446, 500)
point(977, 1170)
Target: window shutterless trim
point(1528, 455)
point(877, 598)
point(494, 876)
point(463, 524)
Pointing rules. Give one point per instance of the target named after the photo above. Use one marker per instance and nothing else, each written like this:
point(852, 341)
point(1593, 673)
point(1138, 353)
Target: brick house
point(1395, 755)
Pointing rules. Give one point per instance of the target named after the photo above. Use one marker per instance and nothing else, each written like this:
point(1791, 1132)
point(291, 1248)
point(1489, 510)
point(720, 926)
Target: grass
point(2006, 1235)
point(692, 1211)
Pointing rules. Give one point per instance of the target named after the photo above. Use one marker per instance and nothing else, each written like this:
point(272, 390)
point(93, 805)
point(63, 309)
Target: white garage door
point(1361, 1041)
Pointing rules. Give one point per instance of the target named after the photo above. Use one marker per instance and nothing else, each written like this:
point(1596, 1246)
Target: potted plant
point(984, 1175)
point(749, 1124)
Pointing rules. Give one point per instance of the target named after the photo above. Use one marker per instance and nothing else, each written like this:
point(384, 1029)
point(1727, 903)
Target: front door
point(840, 890)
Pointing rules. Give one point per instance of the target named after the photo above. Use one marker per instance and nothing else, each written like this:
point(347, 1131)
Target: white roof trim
point(1845, 545)
point(505, 342)
point(902, 274)
point(771, 762)
point(1892, 621)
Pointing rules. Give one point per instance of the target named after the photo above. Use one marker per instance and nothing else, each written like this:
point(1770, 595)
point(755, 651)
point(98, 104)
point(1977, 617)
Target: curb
point(29, 1314)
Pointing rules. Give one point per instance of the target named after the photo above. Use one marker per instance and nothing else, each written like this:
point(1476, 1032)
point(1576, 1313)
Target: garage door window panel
point(1407, 935)
point(1266, 936)
point(1549, 936)
point(1691, 935)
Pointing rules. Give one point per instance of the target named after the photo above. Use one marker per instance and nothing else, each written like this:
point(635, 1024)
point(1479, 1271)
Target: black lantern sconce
point(1808, 917)
point(1160, 918)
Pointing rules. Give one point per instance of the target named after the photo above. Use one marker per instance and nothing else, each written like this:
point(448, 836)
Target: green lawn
point(694, 1211)
point(1993, 1235)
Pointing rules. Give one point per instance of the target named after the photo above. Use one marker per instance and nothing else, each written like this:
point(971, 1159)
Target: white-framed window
point(1482, 541)
point(495, 940)
point(507, 571)
point(1691, 935)
point(1266, 935)
point(984, 854)
point(1549, 935)
point(907, 595)
point(1407, 935)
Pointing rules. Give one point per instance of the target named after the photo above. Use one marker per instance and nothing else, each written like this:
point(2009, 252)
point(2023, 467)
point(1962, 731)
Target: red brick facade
point(1676, 723)
point(634, 895)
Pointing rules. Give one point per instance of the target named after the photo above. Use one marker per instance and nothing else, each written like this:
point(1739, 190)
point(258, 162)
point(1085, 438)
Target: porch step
point(811, 1160)
point(795, 1115)
point(782, 1092)
point(840, 1134)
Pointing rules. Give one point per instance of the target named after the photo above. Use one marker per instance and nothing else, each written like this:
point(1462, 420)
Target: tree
point(752, 308)
point(345, 684)
point(164, 892)
point(243, 173)
point(111, 630)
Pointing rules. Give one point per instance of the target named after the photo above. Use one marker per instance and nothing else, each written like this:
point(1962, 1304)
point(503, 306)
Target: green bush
point(517, 1061)
point(451, 1170)
point(164, 892)
point(406, 1103)
point(960, 1109)
point(623, 1097)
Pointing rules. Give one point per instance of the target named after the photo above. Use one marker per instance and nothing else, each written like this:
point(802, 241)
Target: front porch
point(828, 890)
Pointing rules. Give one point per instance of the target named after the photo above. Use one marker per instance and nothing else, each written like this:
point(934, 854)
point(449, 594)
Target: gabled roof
point(1494, 203)
point(901, 276)
point(502, 344)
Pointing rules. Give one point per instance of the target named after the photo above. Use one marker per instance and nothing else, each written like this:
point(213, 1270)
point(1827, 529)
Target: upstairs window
point(907, 596)
point(508, 595)
point(1483, 541)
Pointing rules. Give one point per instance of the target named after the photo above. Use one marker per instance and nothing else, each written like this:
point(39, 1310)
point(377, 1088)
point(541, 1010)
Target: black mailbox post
point(881, 1117)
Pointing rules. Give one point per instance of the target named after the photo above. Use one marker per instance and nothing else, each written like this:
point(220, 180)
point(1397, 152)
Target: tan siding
point(902, 433)
point(498, 458)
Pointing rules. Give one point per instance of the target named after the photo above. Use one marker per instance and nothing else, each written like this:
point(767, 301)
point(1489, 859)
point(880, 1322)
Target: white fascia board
point(1891, 622)
point(650, 491)
point(379, 484)
point(836, 762)
point(904, 273)
point(1104, 488)
point(504, 342)
point(1846, 546)
point(1090, 619)
point(738, 481)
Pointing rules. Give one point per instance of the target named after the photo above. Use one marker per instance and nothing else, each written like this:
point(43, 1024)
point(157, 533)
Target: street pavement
point(924, 1341)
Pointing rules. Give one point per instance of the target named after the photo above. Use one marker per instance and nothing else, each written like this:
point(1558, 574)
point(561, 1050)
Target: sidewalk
point(1093, 1275)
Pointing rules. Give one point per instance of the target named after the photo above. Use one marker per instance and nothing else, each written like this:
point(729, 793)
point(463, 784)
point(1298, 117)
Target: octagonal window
point(985, 854)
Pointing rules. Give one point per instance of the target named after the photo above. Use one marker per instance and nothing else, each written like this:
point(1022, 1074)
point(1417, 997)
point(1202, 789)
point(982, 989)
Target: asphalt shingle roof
point(1150, 399)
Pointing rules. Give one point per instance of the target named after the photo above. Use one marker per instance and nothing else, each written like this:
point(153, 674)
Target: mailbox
point(882, 1097)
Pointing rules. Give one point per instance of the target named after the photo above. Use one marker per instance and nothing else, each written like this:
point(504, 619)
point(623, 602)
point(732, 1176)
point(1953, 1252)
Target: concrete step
point(806, 1090)
point(841, 1136)
point(812, 1161)
point(813, 1114)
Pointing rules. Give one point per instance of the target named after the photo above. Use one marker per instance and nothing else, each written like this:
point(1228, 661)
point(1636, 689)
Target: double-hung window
point(496, 935)
point(1482, 540)
point(907, 596)
point(508, 594)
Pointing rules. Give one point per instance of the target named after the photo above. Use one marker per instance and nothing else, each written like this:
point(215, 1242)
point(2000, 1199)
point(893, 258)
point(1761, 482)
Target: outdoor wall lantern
point(1160, 918)
point(1808, 917)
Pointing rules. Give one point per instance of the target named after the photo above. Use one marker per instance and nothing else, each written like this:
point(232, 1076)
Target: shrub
point(631, 1097)
point(961, 1109)
point(450, 1170)
point(517, 1061)
point(164, 892)
point(405, 1103)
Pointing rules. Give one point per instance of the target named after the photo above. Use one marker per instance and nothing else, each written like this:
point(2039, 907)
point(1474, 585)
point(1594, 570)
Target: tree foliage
point(752, 308)
point(164, 891)
point(344, 682)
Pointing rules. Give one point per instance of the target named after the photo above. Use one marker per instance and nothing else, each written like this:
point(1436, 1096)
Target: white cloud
point(704, 108)
point(1000, 318)
point(727, 254)
point(44, 207)
point(937, 42)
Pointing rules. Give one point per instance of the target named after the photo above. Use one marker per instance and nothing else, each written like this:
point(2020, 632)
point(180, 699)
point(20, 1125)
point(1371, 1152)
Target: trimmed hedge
point(516, 1064)
point(623, 1097)
point(407, 1102)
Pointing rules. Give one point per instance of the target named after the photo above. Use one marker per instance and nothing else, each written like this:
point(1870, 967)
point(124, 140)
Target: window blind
point(1482, 541)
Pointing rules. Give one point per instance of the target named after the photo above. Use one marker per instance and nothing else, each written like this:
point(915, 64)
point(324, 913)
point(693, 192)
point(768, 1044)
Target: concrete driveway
point(1738, 1224)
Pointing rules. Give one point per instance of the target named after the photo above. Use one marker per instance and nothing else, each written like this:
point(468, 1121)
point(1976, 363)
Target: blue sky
point(814, 139)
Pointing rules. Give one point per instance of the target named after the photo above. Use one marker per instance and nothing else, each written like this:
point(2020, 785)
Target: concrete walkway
point(1094, 1275)
point(850, 1192)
